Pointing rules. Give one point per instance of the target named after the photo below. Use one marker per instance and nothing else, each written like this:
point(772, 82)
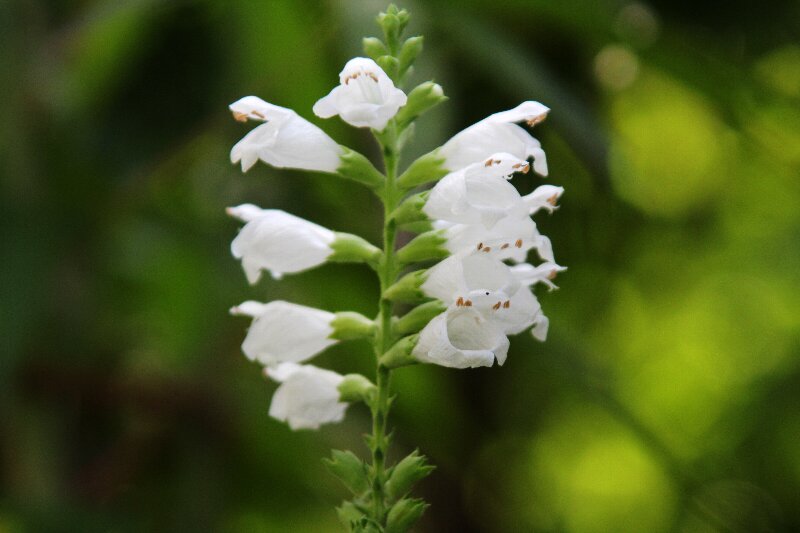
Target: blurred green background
point(667, 397)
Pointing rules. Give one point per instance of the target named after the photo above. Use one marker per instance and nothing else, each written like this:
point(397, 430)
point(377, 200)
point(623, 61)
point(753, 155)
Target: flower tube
point(285, 140)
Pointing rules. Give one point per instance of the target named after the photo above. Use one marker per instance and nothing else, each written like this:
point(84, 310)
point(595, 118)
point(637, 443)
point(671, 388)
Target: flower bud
point(422, 98)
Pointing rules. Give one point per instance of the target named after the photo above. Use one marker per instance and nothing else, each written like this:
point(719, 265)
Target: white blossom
point(307, 396)
point(366, 96)
point(285, 140)
point(478, 193)
point(544, 273)
point(461, 337)
point(471, 280)
point(278, 242)
point(498, 133)
point(543, 197)
point(511, 237)
point(283, 331)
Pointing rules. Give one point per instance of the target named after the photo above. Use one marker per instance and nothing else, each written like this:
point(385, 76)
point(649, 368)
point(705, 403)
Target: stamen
point(487, 249)
point(480, 245)
point(239, 117)
point(497, 306)
point(460, 301)
point(507, 304)
point(537, 119)
point(552, 274)
point(258, 114)
point(488, 162)
point(468, 303)
point(552, 200)
point(526, 169)
point(373, 76)
point(506, 245)
point(518, 244)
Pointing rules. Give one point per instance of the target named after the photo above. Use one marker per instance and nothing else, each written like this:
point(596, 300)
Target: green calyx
point(348, 325)
point(354, 166)
point(357, 388)
point(422, 98)
point(418, 318)
point(408, 289)
point(424, 247)
point(428, 168)
point(400, 354)
point(410, 211)
point(349, 248)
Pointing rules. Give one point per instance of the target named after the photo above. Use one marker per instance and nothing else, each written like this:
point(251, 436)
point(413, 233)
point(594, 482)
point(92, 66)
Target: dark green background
point(667, 397)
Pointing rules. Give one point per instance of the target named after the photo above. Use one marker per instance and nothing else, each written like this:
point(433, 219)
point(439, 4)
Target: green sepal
point(354, 166)
point(356, 388)
point(408, 289)
point(390, 66)
point(348, 325)
point(418, 318)
point(423, 97)
point(400, 354)
point(374, 47)
point(404, 514)
point(349, 469)
point(349, 248)
point(429, 167)
point(349, 515)
point(424, 247)
point(408, 53)
point(411, 209)
point(421, 226)
point(406, 474)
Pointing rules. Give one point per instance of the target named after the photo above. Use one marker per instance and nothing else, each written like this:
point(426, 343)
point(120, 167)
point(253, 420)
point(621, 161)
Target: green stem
point(384, 339)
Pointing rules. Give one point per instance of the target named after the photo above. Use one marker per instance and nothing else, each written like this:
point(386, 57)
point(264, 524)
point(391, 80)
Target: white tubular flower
point(473, 280)
point(511, 238)
point(498, 133)
point(366, 96)
point(461, 337)
point(307, 397)
point(286, 140)
point(545, 273)
point(278, 242)
point(543, 197)
point(478, 193)
point(283, 331)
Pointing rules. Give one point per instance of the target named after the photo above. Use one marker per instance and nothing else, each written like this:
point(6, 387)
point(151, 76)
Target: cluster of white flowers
point(479, 216)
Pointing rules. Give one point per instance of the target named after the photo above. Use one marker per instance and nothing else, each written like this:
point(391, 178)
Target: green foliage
point(407, 289)
point(428, 168)
point(406, 474)
point(356, 167)
point(417, 318)
point(350, 470)
point(404, 514)
point(422, 98)
point(424, 247)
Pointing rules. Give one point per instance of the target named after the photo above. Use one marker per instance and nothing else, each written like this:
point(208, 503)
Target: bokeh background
point(667, 397)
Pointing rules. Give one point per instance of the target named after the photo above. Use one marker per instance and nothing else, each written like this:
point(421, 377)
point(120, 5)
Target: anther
point(460, 301)
point(506, 304)
point(258, 114)
point(488, 162)
point(497, 306)
point(239, 117)
point(468, 303)
point(487, 249)
point(480, 245)
point(506, 245)
point(518, 244)
point(552, 200)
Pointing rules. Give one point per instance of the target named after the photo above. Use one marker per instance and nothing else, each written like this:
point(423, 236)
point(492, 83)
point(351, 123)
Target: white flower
point(478, 193)
point(473, 280)
point(544, 273)
point(510, 238)
point(461, 337)
point(283, 331)
point(366, 96)
point(286, 140)
point(307, 397)
point(498, 133)
point(276, 241)
point(543, 197)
